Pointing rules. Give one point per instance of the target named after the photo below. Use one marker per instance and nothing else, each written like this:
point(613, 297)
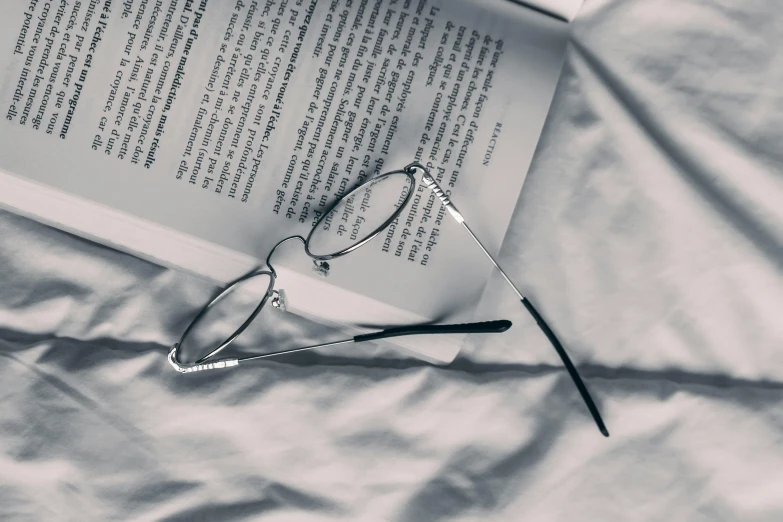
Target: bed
point(649, 233)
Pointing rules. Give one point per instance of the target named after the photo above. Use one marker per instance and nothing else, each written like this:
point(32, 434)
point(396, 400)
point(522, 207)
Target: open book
point(198, 133)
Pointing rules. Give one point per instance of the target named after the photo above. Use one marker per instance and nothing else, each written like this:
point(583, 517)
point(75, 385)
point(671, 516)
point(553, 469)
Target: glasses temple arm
point(429, 182)
point(580, 385)
point(480, 327)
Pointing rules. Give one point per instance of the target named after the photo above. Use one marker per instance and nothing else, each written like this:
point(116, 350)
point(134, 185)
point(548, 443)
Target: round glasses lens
point(357, 217)
point(227, 313)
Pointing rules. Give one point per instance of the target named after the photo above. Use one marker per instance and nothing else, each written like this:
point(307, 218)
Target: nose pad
point(321, 268)
point(279, 300)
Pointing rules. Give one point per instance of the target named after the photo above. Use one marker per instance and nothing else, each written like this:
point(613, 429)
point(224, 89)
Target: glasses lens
point(224, 316)
point(359, 215)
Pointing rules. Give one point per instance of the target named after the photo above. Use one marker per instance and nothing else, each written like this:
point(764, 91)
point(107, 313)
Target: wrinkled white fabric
point(649, 233)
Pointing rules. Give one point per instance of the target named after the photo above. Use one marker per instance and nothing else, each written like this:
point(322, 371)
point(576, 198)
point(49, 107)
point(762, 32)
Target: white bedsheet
point(649, 233)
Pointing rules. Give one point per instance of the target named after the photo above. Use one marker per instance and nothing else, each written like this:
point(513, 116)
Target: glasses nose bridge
point(268, 260)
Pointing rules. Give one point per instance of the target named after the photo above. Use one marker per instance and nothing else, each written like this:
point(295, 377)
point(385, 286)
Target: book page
point(239, 122)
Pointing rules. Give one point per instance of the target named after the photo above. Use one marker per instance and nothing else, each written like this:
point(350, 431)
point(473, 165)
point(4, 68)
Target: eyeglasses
point(351, 222)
